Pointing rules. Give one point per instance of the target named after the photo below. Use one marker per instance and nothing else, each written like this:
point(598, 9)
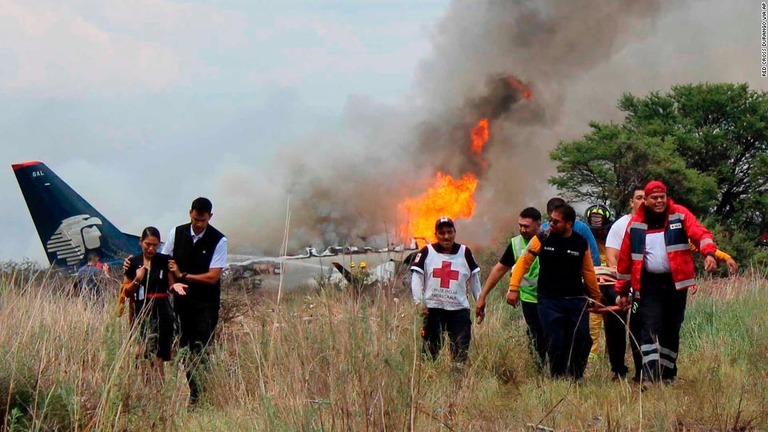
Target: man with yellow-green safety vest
point(529, 223)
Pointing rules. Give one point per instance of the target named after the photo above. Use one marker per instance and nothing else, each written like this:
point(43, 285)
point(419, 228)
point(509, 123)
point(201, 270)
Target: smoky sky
point(341, 176)
point(346, 191)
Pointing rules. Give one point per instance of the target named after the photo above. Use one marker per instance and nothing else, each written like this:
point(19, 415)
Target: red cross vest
point(445, 279)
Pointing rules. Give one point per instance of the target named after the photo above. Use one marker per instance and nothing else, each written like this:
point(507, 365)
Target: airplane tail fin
point(344, 272)
point(68, 226)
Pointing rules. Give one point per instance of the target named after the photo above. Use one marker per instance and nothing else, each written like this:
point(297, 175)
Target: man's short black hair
point(554, 202)
point(531, 213)
point(566, 211)
point(91, 255)
point(637, 187)
point(202, 205)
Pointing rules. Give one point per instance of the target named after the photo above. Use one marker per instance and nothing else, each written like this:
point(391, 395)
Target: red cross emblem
point(445, 274)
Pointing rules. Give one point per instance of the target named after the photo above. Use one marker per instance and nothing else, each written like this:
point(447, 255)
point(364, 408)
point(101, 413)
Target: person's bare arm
point(211, 277)
point(208, 278)
point(493, 279)
point(490, 283)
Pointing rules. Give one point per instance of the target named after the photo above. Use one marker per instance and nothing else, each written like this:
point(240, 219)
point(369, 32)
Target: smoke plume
point(488, 55)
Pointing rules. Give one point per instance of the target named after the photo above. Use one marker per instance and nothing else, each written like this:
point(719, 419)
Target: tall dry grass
point(330, 360)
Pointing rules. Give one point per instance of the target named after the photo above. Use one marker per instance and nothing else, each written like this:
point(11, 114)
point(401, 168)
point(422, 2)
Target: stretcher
point(606, 280)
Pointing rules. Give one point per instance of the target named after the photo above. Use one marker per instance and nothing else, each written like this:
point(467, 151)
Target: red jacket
point(680, 227)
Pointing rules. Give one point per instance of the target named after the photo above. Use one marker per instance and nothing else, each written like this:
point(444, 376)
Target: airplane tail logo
point(74, 237)
point(68, 226)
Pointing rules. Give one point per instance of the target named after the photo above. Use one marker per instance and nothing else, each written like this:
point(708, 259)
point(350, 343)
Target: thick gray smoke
point(549, 45)
point(576, 58)
point(444, 142)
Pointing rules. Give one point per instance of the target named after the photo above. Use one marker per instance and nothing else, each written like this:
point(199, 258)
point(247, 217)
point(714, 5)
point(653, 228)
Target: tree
point(607, 164)
point(707, 142)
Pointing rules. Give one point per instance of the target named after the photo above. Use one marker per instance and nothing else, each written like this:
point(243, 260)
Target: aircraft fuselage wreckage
point(69, 227)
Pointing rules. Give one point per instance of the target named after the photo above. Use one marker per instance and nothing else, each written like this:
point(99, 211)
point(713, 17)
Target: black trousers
point(458, 326)
point(635, 329)
point(617, 344)
point(662, 310)
point(615, 332)
point(155, 320)
point(197, 324)
point(535, 332)
point(566, 326)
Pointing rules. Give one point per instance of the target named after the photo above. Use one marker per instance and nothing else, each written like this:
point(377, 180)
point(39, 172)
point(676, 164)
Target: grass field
point(331, 361)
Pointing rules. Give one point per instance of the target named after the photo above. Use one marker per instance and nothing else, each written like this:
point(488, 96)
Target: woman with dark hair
point(148, 281)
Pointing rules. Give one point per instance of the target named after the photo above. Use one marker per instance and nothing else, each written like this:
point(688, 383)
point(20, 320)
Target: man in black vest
point(565, 286)
point(199, 253)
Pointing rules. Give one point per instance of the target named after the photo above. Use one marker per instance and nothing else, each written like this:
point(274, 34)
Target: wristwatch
point(184, 276)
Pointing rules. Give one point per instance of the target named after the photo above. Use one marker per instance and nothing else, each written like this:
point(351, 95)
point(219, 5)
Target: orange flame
point(518, 85)
point(479, 135)
point(446, 197)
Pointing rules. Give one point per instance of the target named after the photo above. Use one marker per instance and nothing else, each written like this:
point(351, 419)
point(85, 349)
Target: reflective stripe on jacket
point(681, 226)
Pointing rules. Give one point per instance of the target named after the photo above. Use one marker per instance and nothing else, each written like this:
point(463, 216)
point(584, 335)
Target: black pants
point(155, 320)
point(635, 329)
point(535, 332)
point(458, 326)
point(615, 336)
point(566, 326)
point(197, 323)
point(615, 332)
point(662, 311)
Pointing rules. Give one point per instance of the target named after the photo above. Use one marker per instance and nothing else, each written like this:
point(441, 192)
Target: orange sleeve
point(588, 273)
point(722, 256)
point(719, 255)
point(524, 263)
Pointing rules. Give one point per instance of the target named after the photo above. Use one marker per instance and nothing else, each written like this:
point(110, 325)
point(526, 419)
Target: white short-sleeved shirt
point(616, 234)
point(219, 259)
